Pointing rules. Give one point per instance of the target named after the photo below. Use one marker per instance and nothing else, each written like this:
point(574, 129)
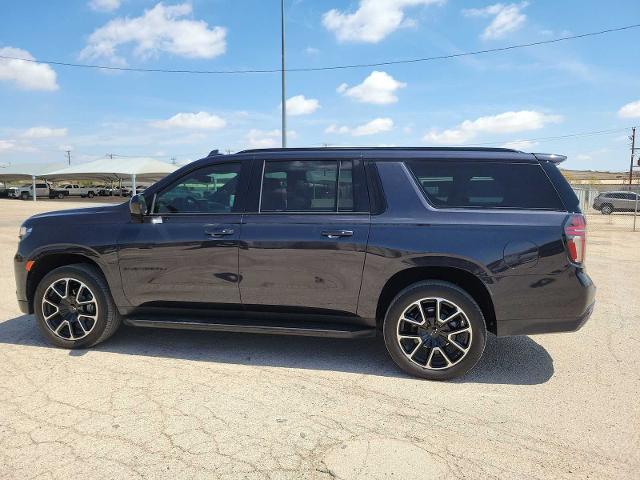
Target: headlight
point(24, 231)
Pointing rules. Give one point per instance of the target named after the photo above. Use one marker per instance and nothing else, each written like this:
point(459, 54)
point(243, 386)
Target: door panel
point(179, 260)
point(186, 249)
point(303, 260)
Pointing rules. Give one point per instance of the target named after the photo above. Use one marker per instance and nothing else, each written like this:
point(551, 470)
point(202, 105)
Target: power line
point(560, 137)
point(330, 67)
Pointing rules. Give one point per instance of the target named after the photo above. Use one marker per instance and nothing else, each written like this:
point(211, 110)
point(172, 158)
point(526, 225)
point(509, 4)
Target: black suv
point(431, 248)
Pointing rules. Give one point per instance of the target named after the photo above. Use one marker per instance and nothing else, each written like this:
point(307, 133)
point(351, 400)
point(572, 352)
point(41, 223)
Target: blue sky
point(496, 99)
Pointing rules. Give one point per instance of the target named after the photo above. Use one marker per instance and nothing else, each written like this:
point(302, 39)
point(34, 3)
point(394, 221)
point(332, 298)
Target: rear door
point(304, 244)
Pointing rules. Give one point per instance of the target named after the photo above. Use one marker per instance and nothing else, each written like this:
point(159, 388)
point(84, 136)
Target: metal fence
point(624, 215)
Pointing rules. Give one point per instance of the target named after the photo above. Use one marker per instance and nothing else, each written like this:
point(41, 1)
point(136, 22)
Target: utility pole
point(284, 95)
point(633, 151)
point(68, 156)
point(110, 155)
point(173, 160)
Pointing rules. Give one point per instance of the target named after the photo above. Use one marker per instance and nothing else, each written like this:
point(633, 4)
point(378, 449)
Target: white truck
point(25, 191)
point(73, 190)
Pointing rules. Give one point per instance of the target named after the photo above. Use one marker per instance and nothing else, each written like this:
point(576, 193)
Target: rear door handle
point(337, 233)
point(220, 232)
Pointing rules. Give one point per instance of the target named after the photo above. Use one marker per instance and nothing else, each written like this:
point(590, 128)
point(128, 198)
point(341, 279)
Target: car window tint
point(211, 189)
point(306, 186)
point(450, 184)
point(345, 186)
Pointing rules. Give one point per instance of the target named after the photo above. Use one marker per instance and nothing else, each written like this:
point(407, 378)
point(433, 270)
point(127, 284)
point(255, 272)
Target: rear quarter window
point(451, 184)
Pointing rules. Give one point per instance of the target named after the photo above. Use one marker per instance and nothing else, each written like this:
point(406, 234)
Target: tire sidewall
point(607, 209)
point(448, 292)
point(103, 306)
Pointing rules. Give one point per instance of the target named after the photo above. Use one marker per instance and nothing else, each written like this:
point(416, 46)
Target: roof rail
point(427, 149)
point(213, 153)
point(550, 157)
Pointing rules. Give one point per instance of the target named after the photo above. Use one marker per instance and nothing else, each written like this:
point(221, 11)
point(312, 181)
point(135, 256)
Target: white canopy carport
point(136, 169)
point(26, 171)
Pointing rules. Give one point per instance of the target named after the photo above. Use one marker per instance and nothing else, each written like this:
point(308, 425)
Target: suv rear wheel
point(74, 308)
point(434, 330)
point(607, 209)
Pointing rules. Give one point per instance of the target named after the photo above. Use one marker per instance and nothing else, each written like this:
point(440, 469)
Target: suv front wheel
point(434, 330)
point(74, 308)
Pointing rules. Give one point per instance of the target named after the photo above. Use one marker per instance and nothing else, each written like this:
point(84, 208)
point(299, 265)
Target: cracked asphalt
point(183, 405)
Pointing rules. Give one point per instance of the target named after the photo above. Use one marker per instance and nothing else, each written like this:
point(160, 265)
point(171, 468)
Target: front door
point(305, 246)
point(186, 249)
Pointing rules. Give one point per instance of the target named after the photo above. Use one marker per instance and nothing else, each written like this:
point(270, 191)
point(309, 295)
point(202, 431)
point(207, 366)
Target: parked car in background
point(609, 202)
point(127, 191)
point(430, 248)
point(26, 191)
point(73, 190)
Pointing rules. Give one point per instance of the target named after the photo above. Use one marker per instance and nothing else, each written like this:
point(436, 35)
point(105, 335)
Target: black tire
point(24, 196)
point(60, 195)
point(108, 319)
point(606, 209)
point(91, 195)
point(472, 319)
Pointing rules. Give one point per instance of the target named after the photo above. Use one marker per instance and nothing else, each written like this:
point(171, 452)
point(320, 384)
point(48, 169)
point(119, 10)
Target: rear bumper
point(548, 325)
point(584, 303)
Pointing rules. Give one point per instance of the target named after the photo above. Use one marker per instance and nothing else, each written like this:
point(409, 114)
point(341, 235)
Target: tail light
point(575, 231)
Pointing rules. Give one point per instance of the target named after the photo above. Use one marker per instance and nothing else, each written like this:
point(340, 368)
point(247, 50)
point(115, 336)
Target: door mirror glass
point(138, 207)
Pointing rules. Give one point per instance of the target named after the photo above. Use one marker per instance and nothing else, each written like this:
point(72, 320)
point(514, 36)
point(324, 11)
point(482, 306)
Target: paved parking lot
point(158, 404)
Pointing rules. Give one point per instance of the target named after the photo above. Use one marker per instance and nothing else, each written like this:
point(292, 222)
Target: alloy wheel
point(434, 333)
point(69, 309)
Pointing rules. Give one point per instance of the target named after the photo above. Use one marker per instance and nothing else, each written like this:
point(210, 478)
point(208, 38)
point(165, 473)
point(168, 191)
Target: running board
point(307, 329)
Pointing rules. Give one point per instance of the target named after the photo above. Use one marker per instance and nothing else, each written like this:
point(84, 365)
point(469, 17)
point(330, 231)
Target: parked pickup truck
point(25, 191)
point(72, 190)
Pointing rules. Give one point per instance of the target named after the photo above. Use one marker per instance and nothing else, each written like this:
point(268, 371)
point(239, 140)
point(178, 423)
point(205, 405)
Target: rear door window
point(451, 184)
point(313, 186)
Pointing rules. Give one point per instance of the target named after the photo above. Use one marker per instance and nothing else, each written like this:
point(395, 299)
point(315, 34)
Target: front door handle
point(220, 232)
point(337, 233)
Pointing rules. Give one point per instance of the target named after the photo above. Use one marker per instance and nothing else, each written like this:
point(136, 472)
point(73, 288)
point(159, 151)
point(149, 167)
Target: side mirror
point(138, 207)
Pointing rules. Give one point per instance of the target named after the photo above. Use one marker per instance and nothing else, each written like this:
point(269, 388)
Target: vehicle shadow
point(511, 360)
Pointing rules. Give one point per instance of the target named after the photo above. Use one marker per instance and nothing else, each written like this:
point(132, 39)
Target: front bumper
point(21, 282)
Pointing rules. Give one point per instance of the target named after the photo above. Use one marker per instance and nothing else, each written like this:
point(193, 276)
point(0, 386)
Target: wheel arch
point(464, 279)
point(47, 262)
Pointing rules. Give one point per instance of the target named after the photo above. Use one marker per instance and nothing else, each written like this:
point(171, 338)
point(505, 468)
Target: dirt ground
point(158, 404)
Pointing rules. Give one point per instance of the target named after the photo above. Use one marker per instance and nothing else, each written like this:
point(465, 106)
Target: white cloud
point(160, 29)
point(311, 51)
point(333, 128)
point(44, 132)
point(378, 88)
point(507, 18)
point(26, 75)
point(507, 122)
point(192, 121)
point(630, 110)
point(377, 125)
point(372, 21)
point(300, 105)
point(520, 144)
point(105, 5)
point(6, 145)
point(267, 138)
